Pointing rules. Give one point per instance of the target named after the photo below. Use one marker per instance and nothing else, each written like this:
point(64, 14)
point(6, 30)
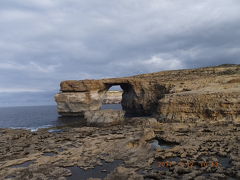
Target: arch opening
point(112, 98)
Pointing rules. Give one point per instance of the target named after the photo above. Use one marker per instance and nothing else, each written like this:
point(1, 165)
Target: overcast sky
point(43, 42)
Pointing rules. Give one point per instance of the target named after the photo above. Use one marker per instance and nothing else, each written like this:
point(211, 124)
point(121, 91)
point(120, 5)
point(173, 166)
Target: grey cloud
point(44, 42)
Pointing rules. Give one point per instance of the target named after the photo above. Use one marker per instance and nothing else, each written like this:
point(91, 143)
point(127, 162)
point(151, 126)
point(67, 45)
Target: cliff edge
point(211, 93)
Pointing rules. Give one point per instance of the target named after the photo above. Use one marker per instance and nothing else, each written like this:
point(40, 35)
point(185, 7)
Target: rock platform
point(186, 151)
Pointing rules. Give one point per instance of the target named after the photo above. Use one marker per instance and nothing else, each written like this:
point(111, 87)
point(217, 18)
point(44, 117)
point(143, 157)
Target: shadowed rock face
point(181, 95)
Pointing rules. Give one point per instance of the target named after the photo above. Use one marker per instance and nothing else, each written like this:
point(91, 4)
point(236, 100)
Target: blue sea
point(35, 117)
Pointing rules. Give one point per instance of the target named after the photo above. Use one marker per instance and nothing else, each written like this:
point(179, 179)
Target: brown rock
point(105, 117)
point(72, 104)
point(211, 93)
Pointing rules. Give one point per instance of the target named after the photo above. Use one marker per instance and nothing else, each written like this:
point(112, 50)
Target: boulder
point(105, 117)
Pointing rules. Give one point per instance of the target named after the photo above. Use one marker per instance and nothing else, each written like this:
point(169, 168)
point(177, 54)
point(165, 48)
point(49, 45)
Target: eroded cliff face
point(181, 95)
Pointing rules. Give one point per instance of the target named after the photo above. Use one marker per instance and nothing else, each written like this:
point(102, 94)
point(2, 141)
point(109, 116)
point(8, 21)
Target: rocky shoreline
point(182, 124)
point(139, 148)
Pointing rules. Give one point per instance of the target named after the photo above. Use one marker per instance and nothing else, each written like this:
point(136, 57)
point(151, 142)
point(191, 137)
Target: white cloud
point(31, 66)
point(156, 63)
point(44, 69)
point(15, 15)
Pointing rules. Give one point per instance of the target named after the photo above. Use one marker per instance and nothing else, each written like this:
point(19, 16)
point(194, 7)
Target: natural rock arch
point(210, 93)
point(139, 97)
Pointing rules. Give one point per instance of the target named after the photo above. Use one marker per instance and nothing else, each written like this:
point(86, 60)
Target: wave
point(33, 129)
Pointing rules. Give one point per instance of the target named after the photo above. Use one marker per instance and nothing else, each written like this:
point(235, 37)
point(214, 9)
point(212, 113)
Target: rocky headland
point(181, 96)
point(182, 124)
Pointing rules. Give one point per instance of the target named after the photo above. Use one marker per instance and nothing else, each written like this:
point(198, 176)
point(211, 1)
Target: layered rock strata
point(180, 95)
point(87, 95)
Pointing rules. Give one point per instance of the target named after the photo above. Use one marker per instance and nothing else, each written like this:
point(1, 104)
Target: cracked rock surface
point(144, 148)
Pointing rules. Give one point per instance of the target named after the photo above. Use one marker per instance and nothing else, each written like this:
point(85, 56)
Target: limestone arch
point(128, 97)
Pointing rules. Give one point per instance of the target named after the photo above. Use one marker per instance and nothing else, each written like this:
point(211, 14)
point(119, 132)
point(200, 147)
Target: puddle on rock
point(112, 106)
point(232, 178)
point(25, 164)
point(224, 161)
point(55, 130)
point(99, 171)
point(50, 154)
point(161, 144)
point(10, 177)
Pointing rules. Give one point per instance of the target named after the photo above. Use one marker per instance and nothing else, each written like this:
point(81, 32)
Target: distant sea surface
point(35, 117)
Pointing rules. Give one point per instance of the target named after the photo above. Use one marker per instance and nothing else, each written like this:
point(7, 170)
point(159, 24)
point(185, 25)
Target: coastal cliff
point(193, 131)
point(211, 93)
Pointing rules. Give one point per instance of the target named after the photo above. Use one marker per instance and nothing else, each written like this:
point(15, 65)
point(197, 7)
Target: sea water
point(35, 117)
